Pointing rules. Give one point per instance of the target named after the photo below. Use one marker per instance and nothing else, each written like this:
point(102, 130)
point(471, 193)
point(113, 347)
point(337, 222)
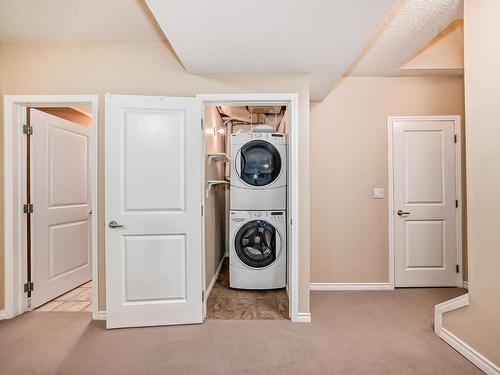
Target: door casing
point(16, 301)
point(458, 188)
point(293, 223)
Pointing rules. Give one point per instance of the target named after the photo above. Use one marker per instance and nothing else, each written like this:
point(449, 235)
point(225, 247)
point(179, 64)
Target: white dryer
point(257, 256)
point(258, 171)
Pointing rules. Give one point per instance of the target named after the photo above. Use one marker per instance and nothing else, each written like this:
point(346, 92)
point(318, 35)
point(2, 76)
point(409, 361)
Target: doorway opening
point(51, 174)
point(246, 210)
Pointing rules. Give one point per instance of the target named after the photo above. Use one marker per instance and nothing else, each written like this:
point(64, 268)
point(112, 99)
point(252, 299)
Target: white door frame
point(458, 187)
point(16, 301)
point(293, 177)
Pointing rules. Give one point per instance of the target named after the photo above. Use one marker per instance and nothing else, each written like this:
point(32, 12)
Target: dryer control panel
point(275, 138)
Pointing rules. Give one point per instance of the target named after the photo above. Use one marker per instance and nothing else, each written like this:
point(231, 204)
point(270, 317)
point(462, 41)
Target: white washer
point(257, 256)
point(258, 171)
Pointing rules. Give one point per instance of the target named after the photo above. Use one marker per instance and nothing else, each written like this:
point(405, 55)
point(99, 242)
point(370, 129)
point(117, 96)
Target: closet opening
point(246, 221)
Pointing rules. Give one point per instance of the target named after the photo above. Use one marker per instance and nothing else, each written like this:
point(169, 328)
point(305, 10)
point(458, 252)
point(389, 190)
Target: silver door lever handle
point(402, 213)
point(114, 224)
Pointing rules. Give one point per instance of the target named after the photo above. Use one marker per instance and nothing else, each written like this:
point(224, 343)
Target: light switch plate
point(378, 193)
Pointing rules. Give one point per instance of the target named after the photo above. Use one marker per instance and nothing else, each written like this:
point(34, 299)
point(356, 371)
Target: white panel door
point(61, 197)
point(153, 193)
point(424, 203)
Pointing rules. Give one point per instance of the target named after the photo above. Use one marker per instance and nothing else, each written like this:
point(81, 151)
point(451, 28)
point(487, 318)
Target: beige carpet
point(352, 333)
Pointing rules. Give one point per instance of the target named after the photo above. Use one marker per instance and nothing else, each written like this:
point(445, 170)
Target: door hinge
point(458, 268)
point(28, 129)
point(201, 210)
point(29, 287)
point(28, 208)
point(202, 296)
point(456, 203)
point(455, 138)
point(201, 122)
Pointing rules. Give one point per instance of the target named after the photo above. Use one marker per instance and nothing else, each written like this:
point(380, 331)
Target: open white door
point(425, 226)
point(61, 197)
point(153, 211)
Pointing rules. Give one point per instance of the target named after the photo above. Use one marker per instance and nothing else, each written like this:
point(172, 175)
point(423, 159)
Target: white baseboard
point(446, 306)
point(470, 353)
point(214, 279)
point(302, 318)
point(466, 285)
point(350, 286)
point(100, 315)
point(460, 346)
point(3, 315)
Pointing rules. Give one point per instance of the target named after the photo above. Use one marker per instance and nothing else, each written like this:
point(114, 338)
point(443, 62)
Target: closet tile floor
point(238, 304)
point(78, 299)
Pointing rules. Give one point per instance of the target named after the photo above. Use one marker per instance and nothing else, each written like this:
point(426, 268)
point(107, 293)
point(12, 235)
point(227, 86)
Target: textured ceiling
point(28, 21)
point(324, 38)
point(319, 37)
point(408, 28)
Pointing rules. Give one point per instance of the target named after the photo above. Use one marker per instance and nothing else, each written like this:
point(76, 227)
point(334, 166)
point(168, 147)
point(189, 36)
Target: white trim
point(14, 151)
point(293, 170)
point(450, 305)
point(211, 286)
point(465, 284)
point(302, 318)
point(350, 286)
point(456, 343)
point(390, 199)
point(470, 353)
point(458, 196)
point(214, 279)
point(99, 315)
point(2, 315)
point(458, 187)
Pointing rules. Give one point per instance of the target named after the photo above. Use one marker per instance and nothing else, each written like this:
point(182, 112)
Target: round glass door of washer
point(256, 243)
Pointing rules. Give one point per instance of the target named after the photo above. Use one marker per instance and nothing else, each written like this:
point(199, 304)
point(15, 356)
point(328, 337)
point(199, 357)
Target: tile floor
point(237, 304)
point(78, 299)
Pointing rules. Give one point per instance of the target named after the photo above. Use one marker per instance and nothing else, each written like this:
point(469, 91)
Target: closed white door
point(153, 193)
point(61, 197)
point(425, 231)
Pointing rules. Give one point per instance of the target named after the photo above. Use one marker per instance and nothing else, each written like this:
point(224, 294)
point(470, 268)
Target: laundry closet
point(245, 211)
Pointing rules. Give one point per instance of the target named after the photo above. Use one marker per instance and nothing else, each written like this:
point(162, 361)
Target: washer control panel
point(273, 216)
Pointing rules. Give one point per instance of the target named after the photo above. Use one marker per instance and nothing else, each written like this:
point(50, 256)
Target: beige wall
point(479, 323)
point(444, 52)
point(215, 203)
point(349, 229)
point(147, 69)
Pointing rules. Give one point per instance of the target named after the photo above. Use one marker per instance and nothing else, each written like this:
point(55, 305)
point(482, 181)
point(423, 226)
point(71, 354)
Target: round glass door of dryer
point(260, 163)
point(256, 244)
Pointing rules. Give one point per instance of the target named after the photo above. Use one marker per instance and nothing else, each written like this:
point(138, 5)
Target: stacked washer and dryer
point(258, 195)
